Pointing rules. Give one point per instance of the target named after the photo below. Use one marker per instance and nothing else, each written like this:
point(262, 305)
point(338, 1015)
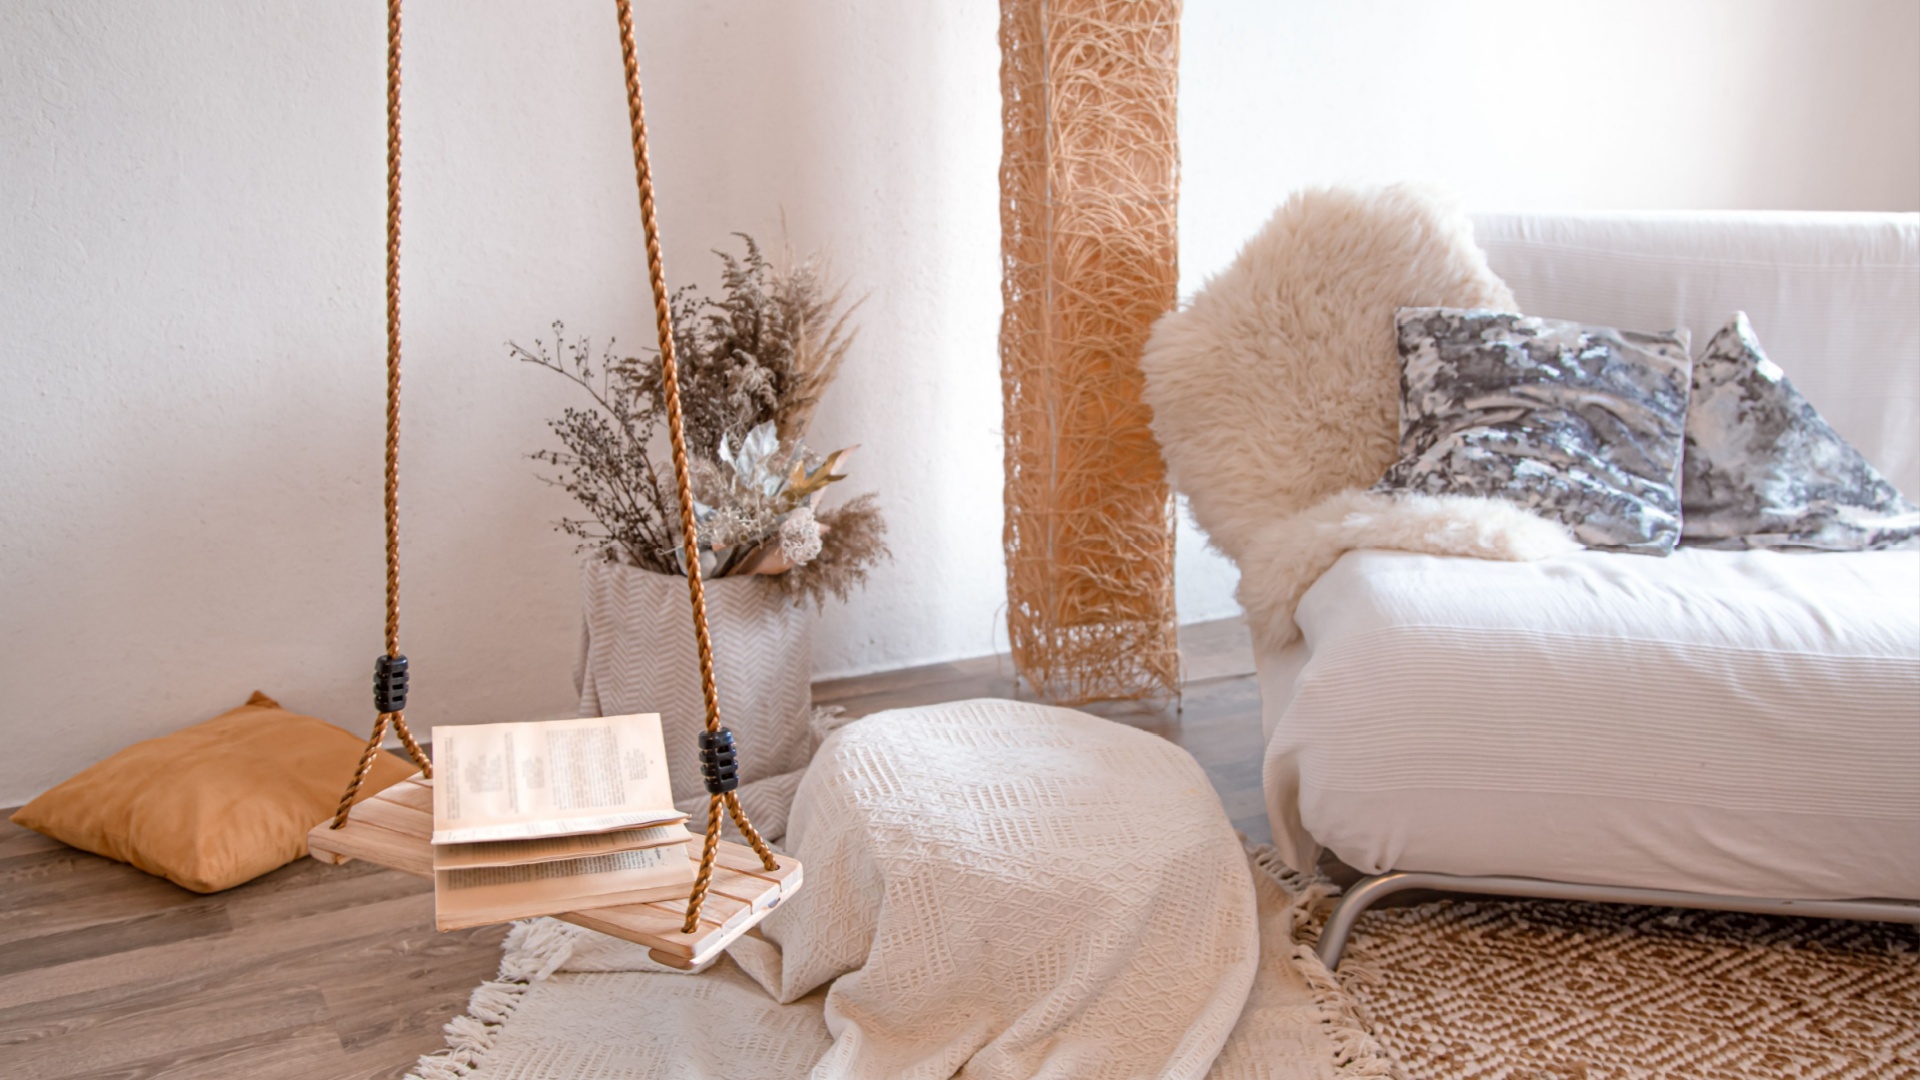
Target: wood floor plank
point(1255, 827)
point(182, 967)
point(19, 840)
point(389, 1060)
point(1239, 787)
point(215, 1016)
point(308, 1051)
point(397, 976)
point(307, 887)
point(914, 680)
point(402, 1005)
point(75, 893)
point(188, 922)
point(1220, 649)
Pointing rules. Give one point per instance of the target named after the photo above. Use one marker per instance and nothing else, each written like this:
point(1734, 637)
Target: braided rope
point(360, 773)
point(670, 378)
point(392, 489)
point(747, 830)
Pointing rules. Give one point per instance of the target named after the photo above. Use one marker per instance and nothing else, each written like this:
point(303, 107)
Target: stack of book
point(553, 816)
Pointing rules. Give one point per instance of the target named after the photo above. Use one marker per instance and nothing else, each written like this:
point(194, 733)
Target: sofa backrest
point(1834, 298)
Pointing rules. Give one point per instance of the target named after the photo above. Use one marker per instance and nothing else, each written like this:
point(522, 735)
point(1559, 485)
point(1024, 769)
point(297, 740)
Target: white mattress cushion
point(1722, 722)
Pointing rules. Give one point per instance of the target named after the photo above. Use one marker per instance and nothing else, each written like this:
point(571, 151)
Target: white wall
point(190, 261)
point(1538, 104)
point(191, 215)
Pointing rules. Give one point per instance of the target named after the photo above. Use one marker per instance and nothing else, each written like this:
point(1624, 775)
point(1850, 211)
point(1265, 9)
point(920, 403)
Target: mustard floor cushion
point(216, 804)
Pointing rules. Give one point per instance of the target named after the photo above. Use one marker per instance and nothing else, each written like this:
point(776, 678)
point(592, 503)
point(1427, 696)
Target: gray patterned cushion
point(1763, 470)
point(1580, 424)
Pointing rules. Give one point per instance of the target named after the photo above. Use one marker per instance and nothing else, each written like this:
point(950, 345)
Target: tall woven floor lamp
point(1089, 177)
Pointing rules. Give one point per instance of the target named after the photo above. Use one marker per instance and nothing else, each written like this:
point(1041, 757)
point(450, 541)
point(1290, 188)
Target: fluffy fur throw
point(1279, 384)
point(1275, 394)
point(1288, 556)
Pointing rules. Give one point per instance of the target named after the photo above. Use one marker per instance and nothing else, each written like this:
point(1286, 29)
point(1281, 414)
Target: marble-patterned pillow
point(1580, 424)
point(1764, 470)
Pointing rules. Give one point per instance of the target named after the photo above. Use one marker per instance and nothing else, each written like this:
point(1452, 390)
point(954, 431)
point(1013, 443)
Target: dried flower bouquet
point(754, 364)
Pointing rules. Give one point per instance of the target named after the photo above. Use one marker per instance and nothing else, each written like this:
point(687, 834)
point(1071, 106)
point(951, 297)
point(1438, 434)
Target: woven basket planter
point(637, 655)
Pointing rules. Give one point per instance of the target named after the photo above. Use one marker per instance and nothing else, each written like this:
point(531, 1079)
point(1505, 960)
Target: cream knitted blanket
point(996, 890)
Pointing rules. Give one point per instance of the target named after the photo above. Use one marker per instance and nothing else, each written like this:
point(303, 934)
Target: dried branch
point(852, 542)
point(755, 362)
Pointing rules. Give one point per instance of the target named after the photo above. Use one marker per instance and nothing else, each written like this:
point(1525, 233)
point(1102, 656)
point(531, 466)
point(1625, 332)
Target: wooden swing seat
point(734, 886)
point(393, 828)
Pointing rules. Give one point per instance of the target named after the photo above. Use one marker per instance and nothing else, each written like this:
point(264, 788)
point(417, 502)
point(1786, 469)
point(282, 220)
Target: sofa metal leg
point(1368, 891)
point(1354, 903)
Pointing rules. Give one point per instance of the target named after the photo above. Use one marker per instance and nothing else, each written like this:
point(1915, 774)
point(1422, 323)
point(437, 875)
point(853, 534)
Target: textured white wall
point(190, 261)
point(1538, 104)
point(190, 312)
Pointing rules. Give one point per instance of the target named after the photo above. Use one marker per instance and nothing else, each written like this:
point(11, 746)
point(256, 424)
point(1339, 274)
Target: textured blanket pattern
point(995, 890)
point(571, 1004)
point(1014, 891)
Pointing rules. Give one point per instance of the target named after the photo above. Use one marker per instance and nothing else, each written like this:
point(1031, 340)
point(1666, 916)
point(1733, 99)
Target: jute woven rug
point(1505, 990)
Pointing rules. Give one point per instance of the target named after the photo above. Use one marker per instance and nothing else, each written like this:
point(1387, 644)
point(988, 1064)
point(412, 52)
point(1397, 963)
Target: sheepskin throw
point(1765, 470)
point(1581, 424)
point(1278, 385)
point(1276, 392)
point(1289, 555)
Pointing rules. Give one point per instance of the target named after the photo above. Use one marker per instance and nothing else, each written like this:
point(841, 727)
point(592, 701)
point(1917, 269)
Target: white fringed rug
point(571, 1004)
point(1559, 991)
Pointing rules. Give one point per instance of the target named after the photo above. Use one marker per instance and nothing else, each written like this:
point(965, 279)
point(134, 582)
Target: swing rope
point(390, 670)
point(715, 741)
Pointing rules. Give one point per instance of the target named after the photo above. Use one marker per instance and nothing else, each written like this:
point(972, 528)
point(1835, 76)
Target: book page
point(482, 895)
point(552, 848)
point(549, 778)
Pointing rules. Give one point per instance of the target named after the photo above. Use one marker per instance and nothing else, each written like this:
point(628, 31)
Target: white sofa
point(1724, 729)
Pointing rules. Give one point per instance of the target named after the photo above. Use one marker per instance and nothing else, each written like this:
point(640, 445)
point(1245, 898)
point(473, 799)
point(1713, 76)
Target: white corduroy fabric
point(1743, 722)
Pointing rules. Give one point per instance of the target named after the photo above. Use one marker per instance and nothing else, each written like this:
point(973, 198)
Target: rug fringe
point(533, 950)
point(536, 948)
point(1348, 1027)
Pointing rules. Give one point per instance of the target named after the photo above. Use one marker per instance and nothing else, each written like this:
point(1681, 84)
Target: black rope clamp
point(390, 684)
point(716, 762)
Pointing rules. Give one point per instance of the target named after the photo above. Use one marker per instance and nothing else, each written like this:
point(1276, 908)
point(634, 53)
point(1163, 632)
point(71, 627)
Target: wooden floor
point(327, 973)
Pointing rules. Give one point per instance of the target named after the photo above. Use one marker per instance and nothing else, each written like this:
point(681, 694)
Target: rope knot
point(717, 766)
point(390, 684)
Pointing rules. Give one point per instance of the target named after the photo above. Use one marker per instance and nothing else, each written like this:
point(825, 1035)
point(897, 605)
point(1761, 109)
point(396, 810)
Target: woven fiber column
point(1088, 177)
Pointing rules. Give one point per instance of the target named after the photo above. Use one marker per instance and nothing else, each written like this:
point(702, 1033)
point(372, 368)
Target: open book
point(492, 894)
point(549, 778)
point(552, 816)
point(555, 848)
